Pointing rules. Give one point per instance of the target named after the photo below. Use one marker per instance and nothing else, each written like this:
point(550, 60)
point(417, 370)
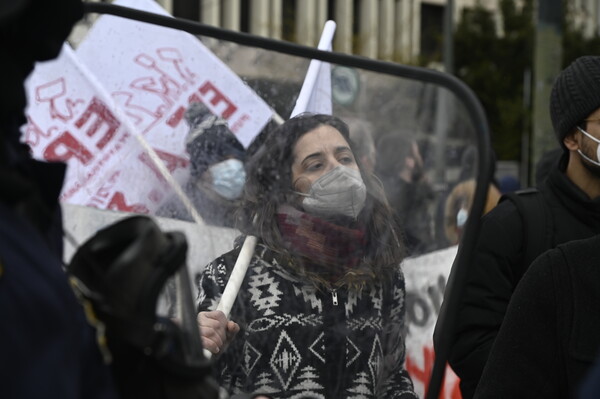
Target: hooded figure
point(217, 172)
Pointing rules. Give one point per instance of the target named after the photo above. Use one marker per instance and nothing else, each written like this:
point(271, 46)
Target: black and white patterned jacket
point(300, 342)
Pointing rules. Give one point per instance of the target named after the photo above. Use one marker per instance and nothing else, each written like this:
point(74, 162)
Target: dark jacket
point(551, 333)
point(47, 348)
point(499, 265)
point(296, 342)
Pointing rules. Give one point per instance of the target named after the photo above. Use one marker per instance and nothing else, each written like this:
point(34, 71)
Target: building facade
point(393, 30)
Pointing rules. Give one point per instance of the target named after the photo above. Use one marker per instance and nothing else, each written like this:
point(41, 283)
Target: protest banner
point(119, 125)
point(426, 278)
point(153, 73)
point(72, 119)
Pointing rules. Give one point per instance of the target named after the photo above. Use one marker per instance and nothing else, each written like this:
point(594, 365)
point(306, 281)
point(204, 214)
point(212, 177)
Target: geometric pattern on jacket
point(296, 343)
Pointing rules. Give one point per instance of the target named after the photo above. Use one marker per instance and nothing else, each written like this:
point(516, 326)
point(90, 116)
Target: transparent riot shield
point(421, 135)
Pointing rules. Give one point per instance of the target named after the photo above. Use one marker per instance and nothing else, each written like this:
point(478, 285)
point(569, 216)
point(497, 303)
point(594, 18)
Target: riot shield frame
point(462, 264)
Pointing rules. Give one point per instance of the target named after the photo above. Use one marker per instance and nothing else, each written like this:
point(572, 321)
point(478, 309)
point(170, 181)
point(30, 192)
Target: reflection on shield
point(115, 110)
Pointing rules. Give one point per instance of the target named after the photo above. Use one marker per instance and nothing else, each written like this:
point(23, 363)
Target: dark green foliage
point(492, 54)
point(574, 42)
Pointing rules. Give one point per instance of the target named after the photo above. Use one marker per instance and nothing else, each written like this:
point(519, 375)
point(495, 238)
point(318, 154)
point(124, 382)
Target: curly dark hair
point(269, 185)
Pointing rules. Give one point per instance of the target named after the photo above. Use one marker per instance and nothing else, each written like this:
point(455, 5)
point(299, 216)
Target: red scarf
point(326, 250)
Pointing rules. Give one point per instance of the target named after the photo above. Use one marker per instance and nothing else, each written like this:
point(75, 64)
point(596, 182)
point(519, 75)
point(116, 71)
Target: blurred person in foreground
point(217, 172)
point(570, 201)
point(320, 313)
point(47, 348)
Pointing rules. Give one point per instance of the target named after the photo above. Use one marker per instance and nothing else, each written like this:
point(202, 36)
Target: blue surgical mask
point(228, 178)
point(461, 217)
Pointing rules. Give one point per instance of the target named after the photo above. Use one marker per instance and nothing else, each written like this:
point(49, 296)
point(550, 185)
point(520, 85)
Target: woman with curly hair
point(320, 313)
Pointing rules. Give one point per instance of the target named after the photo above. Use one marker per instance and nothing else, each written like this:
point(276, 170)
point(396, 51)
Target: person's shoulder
point(585, 244)
point(505, 210)
point(577, 257)
point(583, 251)
point(519, 203)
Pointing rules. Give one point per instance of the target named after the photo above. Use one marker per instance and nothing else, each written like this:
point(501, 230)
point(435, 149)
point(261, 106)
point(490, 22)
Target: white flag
point(71, 118)
point(153, 73)
point(315, 95)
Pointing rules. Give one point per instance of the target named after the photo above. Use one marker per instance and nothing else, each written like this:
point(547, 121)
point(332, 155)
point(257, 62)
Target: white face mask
point(597, 161)
point(340, 191)
point(228, 178)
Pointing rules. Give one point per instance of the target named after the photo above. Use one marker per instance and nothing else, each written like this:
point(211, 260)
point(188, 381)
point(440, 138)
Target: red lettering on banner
point(117, 203)
point(50, 92)
point(173, 55)
point(168, 78)
point(103, 117)
point(171, 161)
point(104, 191)
point(65, 147)
point(194, 98)
point(177, 116)
point(217, 98)
point(137, 112)
point(239, 123)
point(167, 88)
point(423, 375)
point(33, 133)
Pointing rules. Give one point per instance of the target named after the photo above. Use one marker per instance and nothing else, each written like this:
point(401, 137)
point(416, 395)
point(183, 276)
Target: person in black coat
point(550, 335)
point(47, 347)
point(570, 198)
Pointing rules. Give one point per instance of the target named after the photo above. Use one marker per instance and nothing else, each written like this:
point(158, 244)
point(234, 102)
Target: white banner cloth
point(153, 73)
point(72, 119)
point(426, 278)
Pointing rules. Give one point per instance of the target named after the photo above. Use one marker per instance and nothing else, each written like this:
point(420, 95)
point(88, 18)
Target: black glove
point(122, 270)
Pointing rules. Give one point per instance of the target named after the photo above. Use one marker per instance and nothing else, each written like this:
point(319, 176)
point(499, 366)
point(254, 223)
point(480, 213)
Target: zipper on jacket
point(335, 332)
point(335, 297)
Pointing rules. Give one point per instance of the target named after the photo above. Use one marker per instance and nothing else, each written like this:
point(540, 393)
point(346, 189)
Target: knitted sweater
point(300, 342)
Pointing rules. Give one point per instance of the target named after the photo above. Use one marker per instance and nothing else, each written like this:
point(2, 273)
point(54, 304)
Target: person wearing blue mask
point(217, 172)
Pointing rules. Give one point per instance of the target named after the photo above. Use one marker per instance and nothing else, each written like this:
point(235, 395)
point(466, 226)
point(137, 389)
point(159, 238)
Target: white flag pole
point(237, 275)
point(312, 73)
point(235, 280)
